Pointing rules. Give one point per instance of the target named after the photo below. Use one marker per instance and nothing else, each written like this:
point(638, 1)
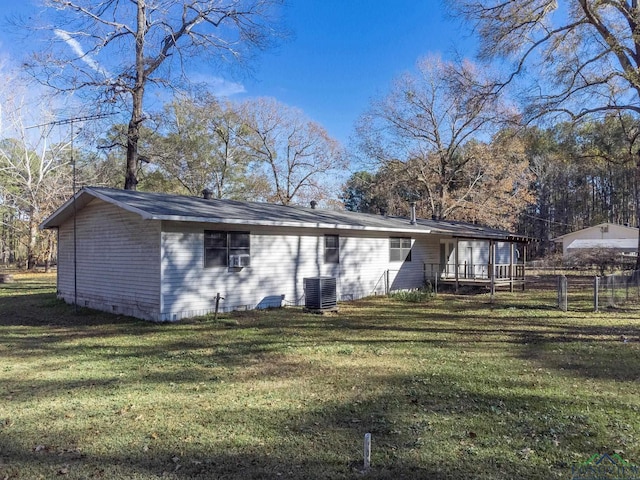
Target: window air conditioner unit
point(243, 260)
point(320, 293)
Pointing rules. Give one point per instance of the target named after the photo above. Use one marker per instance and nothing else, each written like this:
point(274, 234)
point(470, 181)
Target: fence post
point(596, 291)
point(367, 451)
point(562, 293)
point(218, 298)
point(387, 286)
point(626, 284)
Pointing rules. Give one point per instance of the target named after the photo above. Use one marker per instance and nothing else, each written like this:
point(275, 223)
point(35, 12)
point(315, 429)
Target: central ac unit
point(320, 293)
point(242, 260)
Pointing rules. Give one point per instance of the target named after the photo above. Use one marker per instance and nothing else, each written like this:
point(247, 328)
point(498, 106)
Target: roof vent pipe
point(314, 204)
point(413, 213)
point(206, 194)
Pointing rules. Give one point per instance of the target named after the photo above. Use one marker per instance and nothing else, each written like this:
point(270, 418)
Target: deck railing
point(474, 271)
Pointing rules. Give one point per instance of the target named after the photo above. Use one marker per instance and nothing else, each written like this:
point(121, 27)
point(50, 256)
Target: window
point(400, 249)
point(331, 249)
point(219, 245)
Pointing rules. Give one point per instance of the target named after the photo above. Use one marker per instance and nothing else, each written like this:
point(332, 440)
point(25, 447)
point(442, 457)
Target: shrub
point(413, 296)
point(601, 258)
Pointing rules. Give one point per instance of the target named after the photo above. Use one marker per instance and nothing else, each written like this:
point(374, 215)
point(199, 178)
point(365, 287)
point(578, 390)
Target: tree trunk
point(133, 133)
point(31, 247)
point(637, 201)
point(4, 240)
point(137, 94)
point(49, 254)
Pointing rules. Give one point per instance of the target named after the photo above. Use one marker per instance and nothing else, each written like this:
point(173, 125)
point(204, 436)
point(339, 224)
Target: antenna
point(70, 122)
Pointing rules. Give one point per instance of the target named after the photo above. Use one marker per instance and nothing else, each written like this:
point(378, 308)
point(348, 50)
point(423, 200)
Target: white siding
point(408, 275)
point(480, 252)
point(117, 255)
point(503, 253)
point(603, 231)
point(280, 260)
point(155, 270)
point(473, 258)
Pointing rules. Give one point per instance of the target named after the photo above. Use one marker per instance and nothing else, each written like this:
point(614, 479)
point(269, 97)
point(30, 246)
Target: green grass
point(455, 387)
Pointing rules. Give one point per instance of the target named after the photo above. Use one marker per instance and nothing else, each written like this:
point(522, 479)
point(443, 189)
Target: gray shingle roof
point(161, 206)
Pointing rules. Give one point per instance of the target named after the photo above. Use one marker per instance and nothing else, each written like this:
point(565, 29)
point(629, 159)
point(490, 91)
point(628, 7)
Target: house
point(165, 257)
point(604, 235)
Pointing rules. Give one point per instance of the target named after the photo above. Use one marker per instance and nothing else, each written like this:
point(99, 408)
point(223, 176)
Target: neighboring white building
point(605, 235)
point(165, 257)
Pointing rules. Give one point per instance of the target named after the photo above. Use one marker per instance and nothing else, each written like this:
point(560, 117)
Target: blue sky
point(346, 51)
point(340, 55)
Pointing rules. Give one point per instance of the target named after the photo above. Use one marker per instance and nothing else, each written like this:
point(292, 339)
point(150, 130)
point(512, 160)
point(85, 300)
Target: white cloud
point(218, 85)
point(224, 88)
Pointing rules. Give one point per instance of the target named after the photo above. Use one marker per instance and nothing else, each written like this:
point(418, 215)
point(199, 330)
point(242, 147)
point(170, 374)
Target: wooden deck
point(497, 275)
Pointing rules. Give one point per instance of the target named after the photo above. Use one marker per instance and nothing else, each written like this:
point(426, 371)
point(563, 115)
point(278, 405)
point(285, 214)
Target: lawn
point(455, 387)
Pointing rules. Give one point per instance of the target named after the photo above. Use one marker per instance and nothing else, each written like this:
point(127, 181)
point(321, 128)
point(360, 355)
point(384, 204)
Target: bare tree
point(585, 54)
point(34, 177)
point(427, 130)
point(298, 154)
point(120, 48)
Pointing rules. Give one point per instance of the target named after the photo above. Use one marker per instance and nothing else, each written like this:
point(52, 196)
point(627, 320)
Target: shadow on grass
point(44, 309)
point(428, 424)
point(369, 322)
point(423, 426)
point(259, 465)
point(585, 353)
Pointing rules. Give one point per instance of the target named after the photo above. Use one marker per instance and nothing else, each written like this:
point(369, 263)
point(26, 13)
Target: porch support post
point(524, 264)
point(512, 273)
point(457, 262)
point(492, 267)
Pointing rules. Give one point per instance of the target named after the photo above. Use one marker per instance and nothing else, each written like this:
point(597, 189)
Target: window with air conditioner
point(241, 260)
point(227, 249)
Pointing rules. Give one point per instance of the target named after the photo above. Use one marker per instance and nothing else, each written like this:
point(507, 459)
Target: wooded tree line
point(540, 182)
point(569, 177)
point(584, 175)
point(258, 150)
point(539, 136)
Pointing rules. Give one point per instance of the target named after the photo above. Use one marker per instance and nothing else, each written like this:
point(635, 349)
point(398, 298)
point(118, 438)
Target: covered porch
point(474, 262)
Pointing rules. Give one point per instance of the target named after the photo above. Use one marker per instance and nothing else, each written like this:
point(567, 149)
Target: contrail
point(77, 48)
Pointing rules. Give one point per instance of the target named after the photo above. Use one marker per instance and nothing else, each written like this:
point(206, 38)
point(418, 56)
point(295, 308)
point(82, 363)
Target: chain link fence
point(617, 290)
point(621, 289)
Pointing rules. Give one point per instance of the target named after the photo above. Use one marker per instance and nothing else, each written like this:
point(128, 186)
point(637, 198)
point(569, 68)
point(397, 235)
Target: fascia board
point(267, 223)
point(81, 199)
